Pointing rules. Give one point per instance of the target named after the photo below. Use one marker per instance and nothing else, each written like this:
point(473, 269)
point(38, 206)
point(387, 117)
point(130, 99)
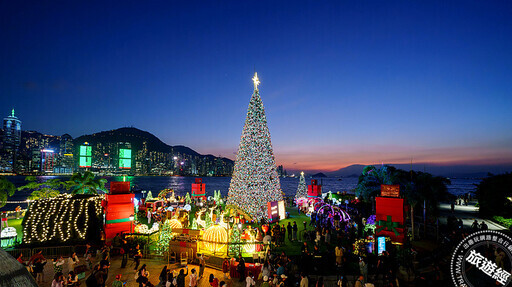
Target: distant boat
point(339, 179)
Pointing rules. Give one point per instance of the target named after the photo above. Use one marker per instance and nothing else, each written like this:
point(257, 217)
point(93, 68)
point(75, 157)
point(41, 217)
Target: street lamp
point(131, 221)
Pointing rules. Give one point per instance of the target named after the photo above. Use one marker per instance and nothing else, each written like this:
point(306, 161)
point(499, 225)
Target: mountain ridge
point(136, 137)
point(456, 170)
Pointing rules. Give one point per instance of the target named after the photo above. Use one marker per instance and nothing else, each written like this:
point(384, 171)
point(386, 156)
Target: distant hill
point(137, 137)
point(320, 174)
point(455, 171)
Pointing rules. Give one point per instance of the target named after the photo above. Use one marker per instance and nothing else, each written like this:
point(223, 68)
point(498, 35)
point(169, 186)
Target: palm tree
point(370, 180)
point(7, 189)
point(86, 183)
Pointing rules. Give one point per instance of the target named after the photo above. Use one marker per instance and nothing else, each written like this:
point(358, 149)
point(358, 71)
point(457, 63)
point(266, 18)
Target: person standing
point(225, 267)
point(4, 220)
point(193, 278)
point(163, 276)
point(241, 268)
point(38, 269)
point(137, 256)
point(475, 226)
point(73, 261)
point(180, 280)
point(289, 229)
point(202, 265)
point(338, 252)
point(142, 275)
point(363, 268)
point(88, 256)
point(283, 234)
point(58, 265)
point(294, 230)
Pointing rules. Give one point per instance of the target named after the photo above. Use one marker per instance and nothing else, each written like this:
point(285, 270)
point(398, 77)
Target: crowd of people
point(326, 248)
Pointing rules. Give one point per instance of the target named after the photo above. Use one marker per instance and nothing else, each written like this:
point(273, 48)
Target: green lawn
point(293, 248)
point(16, 223)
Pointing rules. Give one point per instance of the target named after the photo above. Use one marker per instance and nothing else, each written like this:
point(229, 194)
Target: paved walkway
point(468, 214)
point(153, 266)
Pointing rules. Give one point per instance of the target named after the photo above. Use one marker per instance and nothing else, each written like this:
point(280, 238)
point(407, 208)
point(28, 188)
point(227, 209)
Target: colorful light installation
point(215, 239)
point(255, 181)
point(60, 218)
point(175, 223)
point(302, 189)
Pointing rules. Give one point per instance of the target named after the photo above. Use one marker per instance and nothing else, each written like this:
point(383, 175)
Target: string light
point(175, 224)
point(302, 189)
point(255, 182)
point(59, 218)
point(143, 228)
point(215, 238)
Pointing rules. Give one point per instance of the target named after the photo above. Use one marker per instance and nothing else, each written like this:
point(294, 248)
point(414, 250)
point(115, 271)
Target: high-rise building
point(47, 160)
point(12, 137)
point(65, 163)
point(124, 156)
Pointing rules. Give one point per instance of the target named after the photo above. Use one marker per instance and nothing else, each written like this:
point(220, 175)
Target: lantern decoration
point(175, 223)
point(265, 228)
point(215, 238)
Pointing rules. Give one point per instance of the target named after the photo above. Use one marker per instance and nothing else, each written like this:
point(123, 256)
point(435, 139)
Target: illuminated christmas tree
point(165, 237)
point(187, 198)
point(255, 181)
point(234, 247)
point(302, 190)
point(208, 220)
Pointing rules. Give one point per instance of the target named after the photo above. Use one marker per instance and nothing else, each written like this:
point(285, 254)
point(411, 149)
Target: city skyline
point(343, 83)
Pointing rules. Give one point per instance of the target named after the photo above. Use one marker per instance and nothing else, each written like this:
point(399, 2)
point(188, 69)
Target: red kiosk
point(315, 189)
point(199, 189)
point(390, 213)
point(119, 206)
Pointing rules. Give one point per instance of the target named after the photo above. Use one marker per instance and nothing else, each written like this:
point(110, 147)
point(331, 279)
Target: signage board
point(390, 190)
point(381, 244)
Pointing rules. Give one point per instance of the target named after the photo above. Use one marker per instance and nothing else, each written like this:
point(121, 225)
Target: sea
point(182, 185)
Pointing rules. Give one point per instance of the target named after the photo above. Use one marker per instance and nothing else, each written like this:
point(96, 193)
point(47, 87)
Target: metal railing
point(15, 252)
point(48, 252)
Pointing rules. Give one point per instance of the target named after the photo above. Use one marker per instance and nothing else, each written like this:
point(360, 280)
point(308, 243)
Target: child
point(118, 282)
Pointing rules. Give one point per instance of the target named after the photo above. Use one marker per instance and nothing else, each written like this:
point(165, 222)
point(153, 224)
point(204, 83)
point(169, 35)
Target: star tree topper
point(256, 81)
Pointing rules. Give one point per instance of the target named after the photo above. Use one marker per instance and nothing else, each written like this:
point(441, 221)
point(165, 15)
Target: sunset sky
point(343, 82)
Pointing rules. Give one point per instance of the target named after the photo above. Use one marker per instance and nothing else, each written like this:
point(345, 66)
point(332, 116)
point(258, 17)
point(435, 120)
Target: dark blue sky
point(342, 82)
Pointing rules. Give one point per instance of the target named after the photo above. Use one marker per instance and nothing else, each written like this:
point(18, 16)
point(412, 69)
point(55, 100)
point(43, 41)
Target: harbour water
point(182, 185)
